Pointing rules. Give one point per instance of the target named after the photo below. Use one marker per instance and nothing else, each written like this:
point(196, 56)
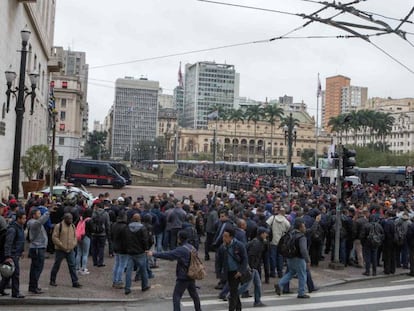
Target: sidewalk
point(97, 286)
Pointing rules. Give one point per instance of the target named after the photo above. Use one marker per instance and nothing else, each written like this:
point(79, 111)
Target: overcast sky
point(129, 30)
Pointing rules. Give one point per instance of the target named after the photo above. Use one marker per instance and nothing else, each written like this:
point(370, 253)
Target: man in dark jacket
point(100, 223)
point(298, 263)
point(183, 255)
point(13, 250)
point(137, 237)
point(388, 249)
point(118, 231)
point(232, 264)
point(369, 249)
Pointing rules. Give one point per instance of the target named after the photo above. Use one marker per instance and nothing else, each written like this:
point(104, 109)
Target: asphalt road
point(133, 191)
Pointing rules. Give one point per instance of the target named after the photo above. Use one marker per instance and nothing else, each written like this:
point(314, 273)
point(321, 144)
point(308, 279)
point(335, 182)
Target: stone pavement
point(97, 286)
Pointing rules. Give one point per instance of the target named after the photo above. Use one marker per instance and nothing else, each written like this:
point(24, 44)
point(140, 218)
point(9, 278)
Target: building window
point(63, 103)
point(62, 115)
point(64, 84)
point(61, 141)
point(61, 127)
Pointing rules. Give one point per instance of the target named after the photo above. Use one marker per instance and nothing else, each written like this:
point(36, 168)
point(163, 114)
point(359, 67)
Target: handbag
point(247, 275)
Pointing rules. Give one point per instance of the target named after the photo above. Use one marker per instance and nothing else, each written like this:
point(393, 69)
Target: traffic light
point(348, 162)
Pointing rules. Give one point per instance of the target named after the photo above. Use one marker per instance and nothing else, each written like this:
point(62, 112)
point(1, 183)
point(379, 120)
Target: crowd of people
point(241, 230)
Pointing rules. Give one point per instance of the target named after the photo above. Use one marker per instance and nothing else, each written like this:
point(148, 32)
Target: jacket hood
point(135, 226)
point(280, 218)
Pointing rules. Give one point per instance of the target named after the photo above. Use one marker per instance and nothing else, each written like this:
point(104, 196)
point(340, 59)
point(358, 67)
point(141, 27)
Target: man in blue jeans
point(182, 254)
point(298, 263)
point(137, 236)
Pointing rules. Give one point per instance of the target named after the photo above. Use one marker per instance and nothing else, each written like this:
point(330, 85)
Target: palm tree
point(336, 124)
point(235, 116)
point(254, 114)
point(272, 113)
point(384, 127)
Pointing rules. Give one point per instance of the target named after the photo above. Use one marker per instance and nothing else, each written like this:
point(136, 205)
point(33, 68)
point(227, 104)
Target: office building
point(208, 85)
point(135, 115)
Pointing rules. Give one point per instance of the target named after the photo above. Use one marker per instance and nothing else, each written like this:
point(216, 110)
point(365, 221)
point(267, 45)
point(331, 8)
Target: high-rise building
point(208, 85)
point(178, 103)
point(353, 97)
point(70, 90)
point(165, 100)
point(333, 97)
point(135, 114)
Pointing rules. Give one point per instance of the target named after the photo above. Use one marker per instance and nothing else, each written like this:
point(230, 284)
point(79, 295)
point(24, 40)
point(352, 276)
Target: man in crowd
point(37, 236)
point(64, 238)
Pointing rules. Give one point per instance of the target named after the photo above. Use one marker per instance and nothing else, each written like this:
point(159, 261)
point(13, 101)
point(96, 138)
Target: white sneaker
point(83, 272)
point(86, 270)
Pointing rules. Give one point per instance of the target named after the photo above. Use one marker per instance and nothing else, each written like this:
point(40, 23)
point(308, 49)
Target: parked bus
point(90, 172)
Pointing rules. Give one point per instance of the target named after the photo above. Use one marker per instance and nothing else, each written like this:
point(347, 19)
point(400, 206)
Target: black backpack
point(287, 246)
point(98, 223)
point(375, 236)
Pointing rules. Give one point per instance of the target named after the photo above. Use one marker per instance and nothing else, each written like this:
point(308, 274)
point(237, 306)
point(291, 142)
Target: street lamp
point(290, 138)
point(22, 93)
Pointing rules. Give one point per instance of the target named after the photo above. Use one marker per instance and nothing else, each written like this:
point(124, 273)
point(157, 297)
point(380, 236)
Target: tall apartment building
point(353, 97)
point(178, 103)
point(333, 97)
point(39, 18)
point(72, 106)
point(208, 84)
point(165, 100)
point(135, 114)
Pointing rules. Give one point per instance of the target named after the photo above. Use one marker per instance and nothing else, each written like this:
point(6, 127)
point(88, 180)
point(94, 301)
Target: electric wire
point(392, 57)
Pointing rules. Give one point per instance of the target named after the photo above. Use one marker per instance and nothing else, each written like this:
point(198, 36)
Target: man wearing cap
point(37, 237)
point(297, 264)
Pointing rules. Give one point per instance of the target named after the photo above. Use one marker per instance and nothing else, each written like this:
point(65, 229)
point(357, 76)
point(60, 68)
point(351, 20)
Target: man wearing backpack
point(401, 227)
point(298, 262)
point(100, 230)
point(37, 237)
point(64, 238)
point(183, 282)
point(372, 237)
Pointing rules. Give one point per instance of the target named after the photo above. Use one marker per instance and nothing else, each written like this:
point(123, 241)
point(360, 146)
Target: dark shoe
point(365, 273)
point(207, 258)
point(222, 297)
point(278, 290)
point(266, 281)
point(76, 285)
point(3, 293)
point(127, 291)
point(259, 304)
point(146, 288)
point(53, 283)
point(374, 273)
point(246, 295)
point(219, 286)
point(36, 291)
point(102, 265)
point(315, 289)
point(303, 296)
point(18, 296)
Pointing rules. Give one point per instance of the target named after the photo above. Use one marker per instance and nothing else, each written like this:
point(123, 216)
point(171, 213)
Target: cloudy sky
point(133, 31)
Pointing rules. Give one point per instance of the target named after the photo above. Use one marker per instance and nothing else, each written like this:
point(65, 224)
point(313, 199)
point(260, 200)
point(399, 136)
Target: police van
point(88, 172)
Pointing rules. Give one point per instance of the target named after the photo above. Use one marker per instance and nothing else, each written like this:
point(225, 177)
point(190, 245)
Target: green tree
point(272, 113)
point(95, 146)
point(235, 116)
point(254, 114)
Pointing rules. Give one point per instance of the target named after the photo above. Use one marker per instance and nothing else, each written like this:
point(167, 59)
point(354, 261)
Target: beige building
point(39, 18)
point(240, 144)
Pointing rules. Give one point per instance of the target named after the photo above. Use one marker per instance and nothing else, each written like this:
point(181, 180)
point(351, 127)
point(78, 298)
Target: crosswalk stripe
point(400, 309)
point(318, 294)
point(336, 304)
point(403, 280)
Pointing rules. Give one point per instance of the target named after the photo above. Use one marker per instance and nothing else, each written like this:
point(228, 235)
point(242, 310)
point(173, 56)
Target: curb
point(36, 300)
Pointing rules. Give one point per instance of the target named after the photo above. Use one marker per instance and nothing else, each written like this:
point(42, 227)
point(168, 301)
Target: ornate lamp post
point(22, 93)
point(290, 139)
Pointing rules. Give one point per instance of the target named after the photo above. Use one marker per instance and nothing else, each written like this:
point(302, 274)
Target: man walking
point(298, 263)
point(37, 237)
point(100, 230)
point(64, 238)
point(232, 264)
point(13, 250)
point(182, 254)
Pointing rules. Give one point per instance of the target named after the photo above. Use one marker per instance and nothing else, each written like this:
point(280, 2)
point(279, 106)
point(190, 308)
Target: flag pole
point(318, 94)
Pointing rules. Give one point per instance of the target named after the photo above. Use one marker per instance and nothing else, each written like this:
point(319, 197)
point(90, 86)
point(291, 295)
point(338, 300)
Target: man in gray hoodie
point(37, 237)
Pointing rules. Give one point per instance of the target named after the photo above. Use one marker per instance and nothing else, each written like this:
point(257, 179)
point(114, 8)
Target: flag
point(180, 77)
point(319, 91)
point(213, 116)
point(331, 152)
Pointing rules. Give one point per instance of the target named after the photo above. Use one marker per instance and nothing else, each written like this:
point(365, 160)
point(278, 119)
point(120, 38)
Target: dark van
point(87, 172)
